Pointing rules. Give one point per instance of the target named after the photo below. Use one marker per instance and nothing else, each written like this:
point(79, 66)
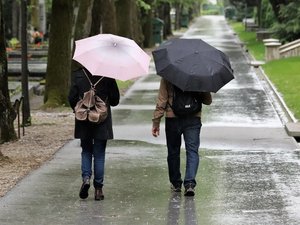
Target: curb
point(290, 123)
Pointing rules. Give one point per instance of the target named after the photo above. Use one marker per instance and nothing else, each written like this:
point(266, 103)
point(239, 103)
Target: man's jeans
point(190, 128)
point(93, 148)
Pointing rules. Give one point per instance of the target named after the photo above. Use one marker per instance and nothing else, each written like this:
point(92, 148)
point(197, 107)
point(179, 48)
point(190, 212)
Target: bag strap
point(173, 94)
point(92, 85)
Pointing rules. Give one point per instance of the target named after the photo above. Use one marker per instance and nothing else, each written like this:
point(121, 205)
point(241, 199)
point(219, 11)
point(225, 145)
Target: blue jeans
point(93, 148)
point(190, 128)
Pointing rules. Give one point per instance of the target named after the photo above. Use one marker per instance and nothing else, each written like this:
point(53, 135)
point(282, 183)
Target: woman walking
point(93, 137)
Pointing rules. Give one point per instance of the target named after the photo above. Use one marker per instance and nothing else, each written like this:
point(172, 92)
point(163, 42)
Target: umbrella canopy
point(112, 56)
point(192, 65)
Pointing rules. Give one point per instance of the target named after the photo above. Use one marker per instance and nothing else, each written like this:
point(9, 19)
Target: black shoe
point(99, 194)
point(84, 190)
point(189, 190)
point(175, 188)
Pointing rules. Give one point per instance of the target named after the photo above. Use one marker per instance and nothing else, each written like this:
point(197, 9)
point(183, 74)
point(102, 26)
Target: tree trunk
point(25, 93)
point(84, 19)
point(42, 17)
point(164, 14)
point(177, 16)
point(167, 19)
point(15, 19)
point(34, 15)
point(146, 19)
point(96, 18)
point(83, 24)
point(7, 113)
point(8, 17)
point(131, 26)
point(123, 10)
point(259, 13)
point(108, 15)
point(276, 7)
point(137, 33)
point(59, 55)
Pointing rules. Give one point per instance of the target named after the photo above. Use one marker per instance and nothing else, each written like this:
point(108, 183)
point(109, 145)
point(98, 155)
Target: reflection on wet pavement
point(249, 167)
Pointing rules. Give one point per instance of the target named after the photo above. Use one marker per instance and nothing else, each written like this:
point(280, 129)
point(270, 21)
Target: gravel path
point(47, 134)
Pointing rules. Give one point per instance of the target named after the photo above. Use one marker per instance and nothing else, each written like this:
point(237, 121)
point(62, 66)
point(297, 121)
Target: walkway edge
point(291, 124)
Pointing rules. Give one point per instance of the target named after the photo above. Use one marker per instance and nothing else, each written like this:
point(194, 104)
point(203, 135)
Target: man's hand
point(155, 131)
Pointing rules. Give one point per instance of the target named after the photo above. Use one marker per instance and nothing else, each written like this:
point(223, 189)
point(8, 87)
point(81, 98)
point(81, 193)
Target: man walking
point(175, 127)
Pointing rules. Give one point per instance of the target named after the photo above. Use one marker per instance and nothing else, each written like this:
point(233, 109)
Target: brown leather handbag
point(91, 107)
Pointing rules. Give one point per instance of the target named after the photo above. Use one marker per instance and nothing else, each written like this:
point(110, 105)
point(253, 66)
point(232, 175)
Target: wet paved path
point(249, 171)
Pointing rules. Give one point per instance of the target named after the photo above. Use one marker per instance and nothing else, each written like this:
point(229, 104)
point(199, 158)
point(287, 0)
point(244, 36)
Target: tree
point(146, 22)
point(96, 18)
point(163, 12)
point(7, 113)
point(276, 7)
point(131, 26)
point(59, 54)
point(136, 24)
point(34, 14)
point(178, 11)
point(108, 16)
point(123, 10)
point(288, 27)
point(267, 15)
point(186, 8)
point(244, 2)
point(84, 19)
point(25, 92)
point(10, 16)
point(103, 17)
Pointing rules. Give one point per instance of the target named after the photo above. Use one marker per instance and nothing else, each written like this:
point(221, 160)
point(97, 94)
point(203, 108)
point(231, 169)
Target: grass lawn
point(124, 85)
point(256, 48)
point(284, 73)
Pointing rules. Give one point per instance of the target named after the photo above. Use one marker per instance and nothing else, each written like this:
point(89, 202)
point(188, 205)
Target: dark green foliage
point(229, 12)
point(267, 15)
point(288, 29)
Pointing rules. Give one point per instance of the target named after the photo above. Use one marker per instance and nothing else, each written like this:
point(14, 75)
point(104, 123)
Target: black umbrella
point(192, 65)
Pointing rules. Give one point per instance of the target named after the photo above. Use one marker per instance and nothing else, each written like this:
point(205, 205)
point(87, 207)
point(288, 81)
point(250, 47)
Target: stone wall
point(290, 49)
point(274, 49)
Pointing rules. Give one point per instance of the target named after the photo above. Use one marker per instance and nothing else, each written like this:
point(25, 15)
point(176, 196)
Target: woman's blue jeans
point(93, 148)
point(190, 128)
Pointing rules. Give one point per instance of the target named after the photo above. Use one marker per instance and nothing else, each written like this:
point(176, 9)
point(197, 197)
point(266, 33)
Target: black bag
point(185, 103)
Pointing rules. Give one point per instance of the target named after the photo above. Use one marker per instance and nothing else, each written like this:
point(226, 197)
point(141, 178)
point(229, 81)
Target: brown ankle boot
point(98, 194)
